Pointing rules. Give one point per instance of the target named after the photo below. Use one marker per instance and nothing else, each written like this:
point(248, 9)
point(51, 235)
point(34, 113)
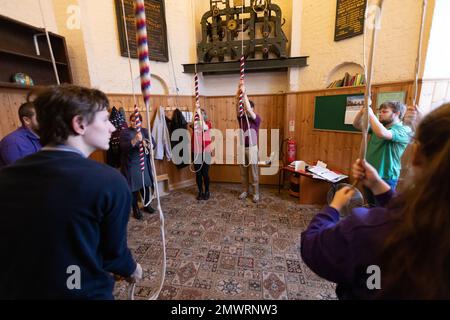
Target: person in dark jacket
point(400, 250)
point(130, 141)
point(113, 156)
point(63, 222)
point(177, 122)
point(23, 141)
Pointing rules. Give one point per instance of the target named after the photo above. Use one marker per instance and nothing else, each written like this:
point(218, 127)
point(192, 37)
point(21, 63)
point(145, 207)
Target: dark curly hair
point(395, 106)
point(26, 110)
point(56, 106)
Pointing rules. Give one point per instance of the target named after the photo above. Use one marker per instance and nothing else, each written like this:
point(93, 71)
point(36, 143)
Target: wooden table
point(311, 190)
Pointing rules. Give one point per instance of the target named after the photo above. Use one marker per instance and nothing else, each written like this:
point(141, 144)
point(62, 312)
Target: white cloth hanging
point(188, 116)
point(160, 133)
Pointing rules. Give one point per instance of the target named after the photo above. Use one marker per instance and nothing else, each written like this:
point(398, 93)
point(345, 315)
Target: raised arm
point(377, 127)
point(247, 105)
point(357, 122)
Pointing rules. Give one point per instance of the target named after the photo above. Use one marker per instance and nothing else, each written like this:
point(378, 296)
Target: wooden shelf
point(18, 43)
point(37, 58)
point(234, 67)
point(11, 85)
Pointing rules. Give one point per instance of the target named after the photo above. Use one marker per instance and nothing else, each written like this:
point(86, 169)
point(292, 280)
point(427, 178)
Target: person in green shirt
point(388, 140)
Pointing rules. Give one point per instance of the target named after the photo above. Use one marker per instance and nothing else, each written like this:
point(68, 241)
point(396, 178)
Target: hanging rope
point(419, 52)
point(242, 78)
point(129, 55)
point(55, 69)
point(368, 71)
point(368, 75)
point(241, 109)
point(145, 75)
point(138, 125)
point(242, 81)
point(177, 90)
point(198, 117)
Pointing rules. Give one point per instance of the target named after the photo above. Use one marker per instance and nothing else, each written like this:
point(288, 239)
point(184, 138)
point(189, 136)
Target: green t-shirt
point(385, 155)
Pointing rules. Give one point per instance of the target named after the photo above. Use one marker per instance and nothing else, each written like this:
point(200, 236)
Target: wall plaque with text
point(156, 29)
point(349, 18)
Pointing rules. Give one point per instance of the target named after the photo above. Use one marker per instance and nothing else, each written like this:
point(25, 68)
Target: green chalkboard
point(329, 113)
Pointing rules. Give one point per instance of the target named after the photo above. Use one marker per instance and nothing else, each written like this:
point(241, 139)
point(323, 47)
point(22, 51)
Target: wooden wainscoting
point(338, 149)
point(222, 113)
point(10, 101)
point(232, 173)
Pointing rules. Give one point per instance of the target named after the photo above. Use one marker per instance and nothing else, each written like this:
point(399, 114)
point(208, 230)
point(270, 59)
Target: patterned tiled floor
point(226, 248)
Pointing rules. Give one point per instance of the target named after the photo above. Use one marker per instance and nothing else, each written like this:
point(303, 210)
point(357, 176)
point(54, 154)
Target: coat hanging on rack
point(160, 134)
point(113, 157)
point(179, 122)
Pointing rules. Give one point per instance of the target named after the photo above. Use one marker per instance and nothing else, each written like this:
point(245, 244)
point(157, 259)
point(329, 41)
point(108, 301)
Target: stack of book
point(348, 81)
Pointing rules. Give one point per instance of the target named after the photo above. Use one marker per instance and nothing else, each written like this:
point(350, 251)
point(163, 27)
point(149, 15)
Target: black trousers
point(202, 176)
point(136, 195)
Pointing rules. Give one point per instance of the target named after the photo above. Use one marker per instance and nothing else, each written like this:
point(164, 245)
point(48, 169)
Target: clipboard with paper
point(326, 174)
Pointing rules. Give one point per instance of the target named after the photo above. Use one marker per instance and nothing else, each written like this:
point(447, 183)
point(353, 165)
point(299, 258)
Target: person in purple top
point(400, 250)
point(23, 141)
point(249, 124)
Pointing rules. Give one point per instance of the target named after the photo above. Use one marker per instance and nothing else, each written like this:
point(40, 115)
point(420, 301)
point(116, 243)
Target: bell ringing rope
point(241, 110)
point(198, 123)
point(241, 94)
point(138, 124)
point(197, 103)
point(144, 66)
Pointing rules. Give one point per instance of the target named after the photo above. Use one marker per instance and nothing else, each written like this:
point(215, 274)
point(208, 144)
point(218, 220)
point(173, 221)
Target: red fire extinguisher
point(291, 150)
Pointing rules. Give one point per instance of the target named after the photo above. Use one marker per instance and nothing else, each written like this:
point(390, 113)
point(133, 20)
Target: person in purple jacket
point(249, 124)
point(23, 141)
point(400, 250)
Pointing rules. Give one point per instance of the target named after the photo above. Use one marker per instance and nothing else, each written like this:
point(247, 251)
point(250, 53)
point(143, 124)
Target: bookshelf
point(24, 49)
point(348, 81)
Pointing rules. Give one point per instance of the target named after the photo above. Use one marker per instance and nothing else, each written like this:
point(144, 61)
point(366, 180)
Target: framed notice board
point(382, 97)
point(349, 18)
point(330, 112)
point(156, 29)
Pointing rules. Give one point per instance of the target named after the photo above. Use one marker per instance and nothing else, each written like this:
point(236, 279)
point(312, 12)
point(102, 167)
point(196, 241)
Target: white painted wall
point(438, 56)
point(95, 54)
point(28, 11)
point(396, 48)
point(110, 72)
point(296, 43)
point(436, 75)
point(309, 27)
point(69, 20)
